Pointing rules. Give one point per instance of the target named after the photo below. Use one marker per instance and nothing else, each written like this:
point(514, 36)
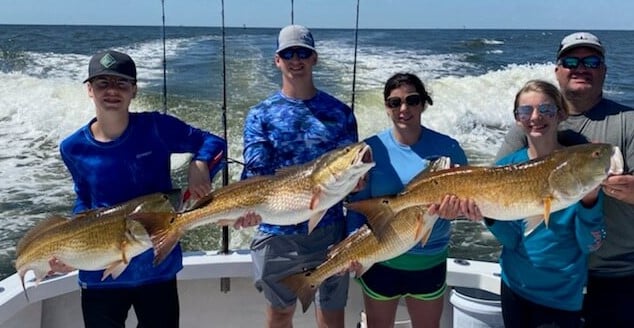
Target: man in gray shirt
point(581, 71)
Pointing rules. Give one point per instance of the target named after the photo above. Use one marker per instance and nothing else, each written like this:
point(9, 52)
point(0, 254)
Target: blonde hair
point(546, 88)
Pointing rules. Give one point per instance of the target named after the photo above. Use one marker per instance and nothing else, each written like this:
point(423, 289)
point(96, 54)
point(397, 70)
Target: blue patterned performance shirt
point(282, 131)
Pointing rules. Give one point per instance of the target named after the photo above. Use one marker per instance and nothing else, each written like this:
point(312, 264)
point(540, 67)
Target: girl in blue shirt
point(544, 271)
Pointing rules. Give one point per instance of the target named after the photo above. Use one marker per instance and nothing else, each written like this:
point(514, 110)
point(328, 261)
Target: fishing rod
point(292, 14)
point(225, 283)
point(354, 63)
point(164, 62)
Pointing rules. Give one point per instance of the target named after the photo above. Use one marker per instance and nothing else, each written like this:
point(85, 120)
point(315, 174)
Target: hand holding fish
point(355, 268)
point(470, 210)
point(449, 207)
point(620, 187)
point(199, 183)
point(58, 266)
point(248, 220)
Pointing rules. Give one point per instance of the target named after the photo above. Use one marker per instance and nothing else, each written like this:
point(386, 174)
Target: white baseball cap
point(580, 39)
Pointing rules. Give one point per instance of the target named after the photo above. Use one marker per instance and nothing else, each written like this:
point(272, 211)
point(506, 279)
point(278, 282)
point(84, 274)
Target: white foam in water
point(36, 113)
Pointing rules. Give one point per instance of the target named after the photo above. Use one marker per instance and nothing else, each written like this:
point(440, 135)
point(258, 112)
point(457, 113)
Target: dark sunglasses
point(302, 53)
point(396, 102)
point(593, 62)
point(103, 84)
point(523, 113)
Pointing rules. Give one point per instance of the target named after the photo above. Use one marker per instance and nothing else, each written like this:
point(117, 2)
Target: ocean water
point(472, 74)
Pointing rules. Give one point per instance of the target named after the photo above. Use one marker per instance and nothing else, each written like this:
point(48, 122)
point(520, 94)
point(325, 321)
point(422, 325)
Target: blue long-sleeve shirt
point(282, 131)
point(396, 165)
point(135, 164)
point(549, 266)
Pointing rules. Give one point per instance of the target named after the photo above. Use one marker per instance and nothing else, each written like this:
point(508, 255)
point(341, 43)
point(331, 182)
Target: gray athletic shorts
point(275, 257)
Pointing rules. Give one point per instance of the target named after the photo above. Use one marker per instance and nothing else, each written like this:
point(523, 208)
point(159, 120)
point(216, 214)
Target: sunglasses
point(103, 84)
point(302, 53)
point(396, 102)
point(592, 62)
point(523, 113)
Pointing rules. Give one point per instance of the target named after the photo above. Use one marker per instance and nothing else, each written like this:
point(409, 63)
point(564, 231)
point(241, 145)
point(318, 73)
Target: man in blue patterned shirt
point(293, 126)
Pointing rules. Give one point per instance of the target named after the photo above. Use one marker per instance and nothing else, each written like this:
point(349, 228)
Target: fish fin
point(616, 162)
point(547, 208)
point(163, 234)
point(428, 222)
point(531, 223)
point(300, 286)
point(115, 269)
point(378, 213)
point(314, 200)
point(419, 226)
point(314, 220)
point(352, 239)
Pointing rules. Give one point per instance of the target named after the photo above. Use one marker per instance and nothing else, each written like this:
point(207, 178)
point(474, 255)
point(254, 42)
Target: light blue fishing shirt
point(549, 266)
point(396, 165)
point(282, 131)
point(135, 164)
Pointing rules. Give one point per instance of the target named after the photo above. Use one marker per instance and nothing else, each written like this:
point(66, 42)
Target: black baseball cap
point(111, 63)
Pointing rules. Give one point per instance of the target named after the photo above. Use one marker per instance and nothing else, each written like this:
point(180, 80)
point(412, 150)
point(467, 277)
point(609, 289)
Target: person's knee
point(330, 318)
point(280, 317)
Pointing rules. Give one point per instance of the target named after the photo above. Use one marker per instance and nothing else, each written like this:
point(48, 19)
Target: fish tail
point(163, 233)
point(22, 273)
point(378, 213)
point(298, 283)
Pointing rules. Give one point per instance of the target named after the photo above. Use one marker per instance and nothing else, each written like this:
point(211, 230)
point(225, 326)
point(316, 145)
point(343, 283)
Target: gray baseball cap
point(295, 36)
point(580, 39)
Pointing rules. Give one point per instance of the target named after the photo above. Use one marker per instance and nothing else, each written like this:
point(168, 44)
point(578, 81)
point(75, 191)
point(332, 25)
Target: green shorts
point(384, 281)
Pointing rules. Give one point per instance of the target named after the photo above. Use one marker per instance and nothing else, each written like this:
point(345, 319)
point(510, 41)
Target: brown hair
point(399, 79)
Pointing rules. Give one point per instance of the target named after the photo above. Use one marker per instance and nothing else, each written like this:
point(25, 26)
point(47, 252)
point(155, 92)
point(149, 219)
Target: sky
point(503, 14)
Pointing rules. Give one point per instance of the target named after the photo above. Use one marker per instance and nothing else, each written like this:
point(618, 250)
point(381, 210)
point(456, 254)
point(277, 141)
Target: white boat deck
point(55, 302)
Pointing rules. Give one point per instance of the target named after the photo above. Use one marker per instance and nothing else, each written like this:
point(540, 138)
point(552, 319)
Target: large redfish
point(406, 229)
point(292, 195)
point(530, 190)
point(94, 240)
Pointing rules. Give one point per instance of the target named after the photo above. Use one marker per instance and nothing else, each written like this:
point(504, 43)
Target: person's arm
point(508, 233)
point(514, 140)
point(207, 150)
point(589, 223)
point(181, 137)
point(258, 152)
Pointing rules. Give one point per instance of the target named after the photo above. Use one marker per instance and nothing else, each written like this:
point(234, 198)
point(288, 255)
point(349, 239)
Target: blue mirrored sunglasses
point(396, 102)
point(302, 53)
point(592, 62)
point(523, 113)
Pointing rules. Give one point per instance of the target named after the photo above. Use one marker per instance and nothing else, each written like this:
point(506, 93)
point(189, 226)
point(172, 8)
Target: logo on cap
point(107, 61)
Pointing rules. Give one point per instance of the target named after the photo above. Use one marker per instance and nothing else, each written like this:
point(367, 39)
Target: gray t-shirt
point(612, 123)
